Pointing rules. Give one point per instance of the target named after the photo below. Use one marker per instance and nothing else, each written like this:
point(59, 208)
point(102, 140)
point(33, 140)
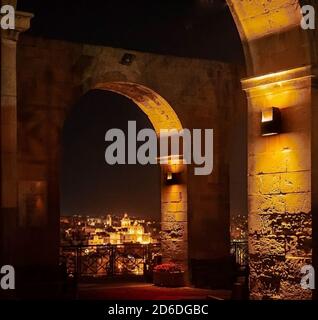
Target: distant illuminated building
point(129, 233)
point(109, 220)
point(96, 240)
point(125, 221)
point(115, 238)
point(238, 227)
point(95, 231)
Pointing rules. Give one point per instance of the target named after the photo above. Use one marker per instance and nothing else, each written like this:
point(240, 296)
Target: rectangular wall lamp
point(271, 122)
point(173, 178)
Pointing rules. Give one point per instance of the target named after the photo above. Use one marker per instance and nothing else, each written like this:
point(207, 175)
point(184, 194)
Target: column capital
point(22, 24)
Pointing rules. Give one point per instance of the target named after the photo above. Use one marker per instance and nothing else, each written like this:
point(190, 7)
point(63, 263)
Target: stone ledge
point(280, 76)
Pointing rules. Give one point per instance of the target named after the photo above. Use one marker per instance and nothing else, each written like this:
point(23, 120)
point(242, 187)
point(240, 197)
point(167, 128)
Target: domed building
point(125, 221)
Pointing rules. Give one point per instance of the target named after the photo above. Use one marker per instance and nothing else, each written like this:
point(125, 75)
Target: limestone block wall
point(204, 94)
point(52, 76)
point(279, 186)
point(8, 140)
point(314, 178)
point(270, 31)
point(174, 217)
point(47, 85)
point(8, 134)
point(282, 208)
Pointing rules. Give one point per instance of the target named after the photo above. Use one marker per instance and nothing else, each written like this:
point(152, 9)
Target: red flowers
point(168, 267)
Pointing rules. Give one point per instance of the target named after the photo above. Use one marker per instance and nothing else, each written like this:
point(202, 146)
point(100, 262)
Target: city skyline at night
point(89, 186)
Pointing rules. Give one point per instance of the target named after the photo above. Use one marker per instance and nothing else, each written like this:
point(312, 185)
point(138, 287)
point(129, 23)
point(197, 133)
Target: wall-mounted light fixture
point(173, 178)
point(169, 176)
point(127, 59)
point(271, 122)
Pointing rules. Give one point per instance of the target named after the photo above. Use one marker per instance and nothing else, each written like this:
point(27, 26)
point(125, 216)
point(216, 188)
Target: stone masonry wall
point(52, 76)
point(279, 188)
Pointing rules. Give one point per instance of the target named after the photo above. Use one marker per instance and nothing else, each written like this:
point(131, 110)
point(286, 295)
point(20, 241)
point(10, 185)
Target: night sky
point(188, 28)
point(89, 186)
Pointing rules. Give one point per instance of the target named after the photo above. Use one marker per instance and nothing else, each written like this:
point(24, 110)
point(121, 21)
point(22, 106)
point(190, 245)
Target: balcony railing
point(125, 259)
point(239, 249)
point(109, 260)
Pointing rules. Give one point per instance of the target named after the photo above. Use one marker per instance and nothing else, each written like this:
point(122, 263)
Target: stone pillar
point(174, 220)
point(8, 115)
point(314, 179)
point(279, 185)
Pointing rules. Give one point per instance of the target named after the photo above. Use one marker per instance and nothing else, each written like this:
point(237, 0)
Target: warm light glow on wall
point(286, 150)
point(276, 79)
point(39, 202)
point(158, 110)
point(172, 160)
point(286, 90)
point(267, 115)
point(255, 21)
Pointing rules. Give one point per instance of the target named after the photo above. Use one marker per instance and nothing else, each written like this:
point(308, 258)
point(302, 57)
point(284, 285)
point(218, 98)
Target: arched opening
point(279, 56)
point(120, 213)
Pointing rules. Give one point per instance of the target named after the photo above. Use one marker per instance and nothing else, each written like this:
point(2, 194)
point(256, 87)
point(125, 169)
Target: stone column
point(279, 184)
point(8, 116)
point(314, 179)
point(174, 220)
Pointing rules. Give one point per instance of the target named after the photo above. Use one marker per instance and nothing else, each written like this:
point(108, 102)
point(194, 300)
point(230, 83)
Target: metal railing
point(125, 259)
point(108, 260)
point(239, 249)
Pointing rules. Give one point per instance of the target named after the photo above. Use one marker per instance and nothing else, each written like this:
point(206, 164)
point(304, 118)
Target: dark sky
point(191, 28)
point(89, 186)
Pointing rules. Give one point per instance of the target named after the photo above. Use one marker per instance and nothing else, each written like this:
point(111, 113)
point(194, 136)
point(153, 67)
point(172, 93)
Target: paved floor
point(142, 291)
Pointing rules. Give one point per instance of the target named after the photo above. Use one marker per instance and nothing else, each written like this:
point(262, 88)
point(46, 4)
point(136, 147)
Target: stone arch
point(158, 110)
point(174, 217)
point(271, 34)
point(281, 60)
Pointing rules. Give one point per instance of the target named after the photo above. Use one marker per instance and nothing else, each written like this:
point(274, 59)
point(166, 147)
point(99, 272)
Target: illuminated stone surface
point(196, 99)
point(270, 32)
point(279, 188)
point(280, 195)
point(280, 168)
